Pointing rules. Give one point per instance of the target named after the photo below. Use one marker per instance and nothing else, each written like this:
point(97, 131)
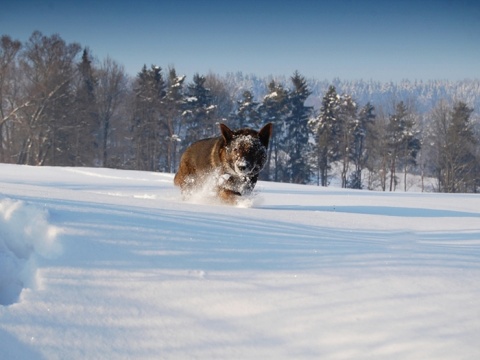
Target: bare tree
point(111, 91)
point(48, 64)
point(455, 148)
point(9, 106)
point(221, 96)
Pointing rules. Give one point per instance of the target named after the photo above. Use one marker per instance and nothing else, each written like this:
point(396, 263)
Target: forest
point(60, 106)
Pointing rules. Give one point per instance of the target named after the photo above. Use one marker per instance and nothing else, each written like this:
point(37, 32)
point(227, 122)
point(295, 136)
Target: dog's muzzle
point(243, 168)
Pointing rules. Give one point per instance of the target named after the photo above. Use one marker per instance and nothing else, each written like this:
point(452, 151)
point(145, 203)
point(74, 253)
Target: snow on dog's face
point(246, 150)
point(247, 155)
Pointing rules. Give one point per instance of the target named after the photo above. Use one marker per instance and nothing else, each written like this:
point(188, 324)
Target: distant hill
point(423, 95)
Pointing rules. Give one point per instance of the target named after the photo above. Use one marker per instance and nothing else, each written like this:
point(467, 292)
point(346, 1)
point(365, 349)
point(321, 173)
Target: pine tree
point(199, 114)
point(86, 132)
point(148, 129)
point(297, 139)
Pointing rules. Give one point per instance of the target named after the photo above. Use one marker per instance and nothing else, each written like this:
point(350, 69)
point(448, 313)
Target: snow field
point(129, 270)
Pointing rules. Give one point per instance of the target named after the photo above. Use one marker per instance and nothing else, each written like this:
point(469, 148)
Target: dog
point(229, 164)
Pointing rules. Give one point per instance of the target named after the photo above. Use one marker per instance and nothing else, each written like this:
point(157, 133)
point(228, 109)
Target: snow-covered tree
point(325, 128)
point(346, 122)
point(247, 113)
point(174, 107)
point(402, 141)
point(199, 114)
point(275, 109)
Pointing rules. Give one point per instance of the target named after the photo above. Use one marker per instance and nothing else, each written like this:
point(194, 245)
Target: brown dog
point(230, 163)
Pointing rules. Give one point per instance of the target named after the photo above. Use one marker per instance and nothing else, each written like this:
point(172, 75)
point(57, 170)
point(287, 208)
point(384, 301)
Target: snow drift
point(25, 234)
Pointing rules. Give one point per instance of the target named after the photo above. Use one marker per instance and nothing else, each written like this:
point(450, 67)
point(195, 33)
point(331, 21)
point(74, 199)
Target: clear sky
point(378, 40)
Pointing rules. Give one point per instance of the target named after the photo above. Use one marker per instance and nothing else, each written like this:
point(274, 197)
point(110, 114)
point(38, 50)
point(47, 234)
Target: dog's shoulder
point(205, 153)
point(205, 145)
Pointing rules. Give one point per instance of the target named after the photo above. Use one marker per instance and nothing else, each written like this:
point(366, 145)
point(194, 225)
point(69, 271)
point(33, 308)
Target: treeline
point(59, 107)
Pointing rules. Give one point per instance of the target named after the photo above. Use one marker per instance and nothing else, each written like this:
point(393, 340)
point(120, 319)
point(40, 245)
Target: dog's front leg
point(228, 196)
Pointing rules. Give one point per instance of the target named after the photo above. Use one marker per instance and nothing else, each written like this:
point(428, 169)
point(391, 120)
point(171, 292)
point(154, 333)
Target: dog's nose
point(242, 166)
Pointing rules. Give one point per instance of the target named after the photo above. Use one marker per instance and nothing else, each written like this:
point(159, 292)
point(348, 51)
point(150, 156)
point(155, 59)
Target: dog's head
point(246, 149)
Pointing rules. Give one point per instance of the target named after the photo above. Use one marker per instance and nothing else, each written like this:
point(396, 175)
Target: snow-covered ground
point(109, 264)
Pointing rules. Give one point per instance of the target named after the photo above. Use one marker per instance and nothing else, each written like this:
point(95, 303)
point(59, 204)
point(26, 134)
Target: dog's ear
point(265, 133)
point(226, 133)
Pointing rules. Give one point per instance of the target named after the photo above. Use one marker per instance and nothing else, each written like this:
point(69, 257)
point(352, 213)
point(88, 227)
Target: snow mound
point(25, 235)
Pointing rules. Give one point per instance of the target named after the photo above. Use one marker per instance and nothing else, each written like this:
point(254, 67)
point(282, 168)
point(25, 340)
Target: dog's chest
point(239, 184)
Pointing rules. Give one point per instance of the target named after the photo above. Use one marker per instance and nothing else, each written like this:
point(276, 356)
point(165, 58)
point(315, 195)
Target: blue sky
point(378, 40)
